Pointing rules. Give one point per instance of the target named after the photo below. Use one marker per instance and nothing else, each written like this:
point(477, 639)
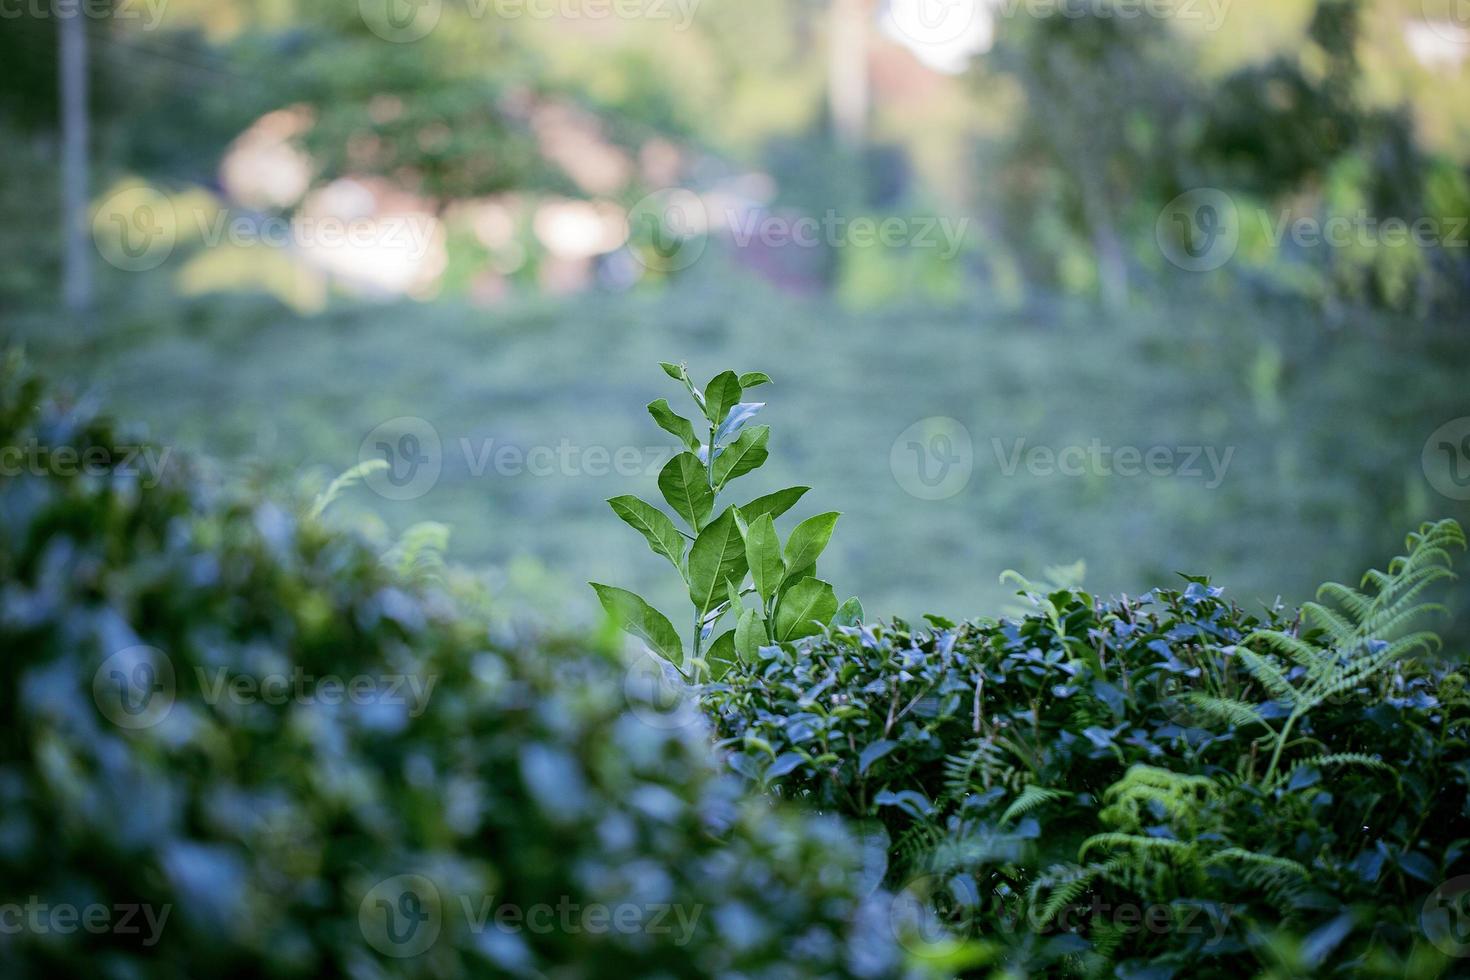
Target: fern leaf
point(1031, 797)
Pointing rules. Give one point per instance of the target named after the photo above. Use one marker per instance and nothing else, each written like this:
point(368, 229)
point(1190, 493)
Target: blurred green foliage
point(1094, 786)
point(262, 832)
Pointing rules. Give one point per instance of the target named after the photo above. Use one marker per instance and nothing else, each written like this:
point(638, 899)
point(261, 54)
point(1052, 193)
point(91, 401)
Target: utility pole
point(77, 257)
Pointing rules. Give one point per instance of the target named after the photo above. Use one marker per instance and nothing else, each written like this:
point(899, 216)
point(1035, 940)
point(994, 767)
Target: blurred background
point(1155, 286)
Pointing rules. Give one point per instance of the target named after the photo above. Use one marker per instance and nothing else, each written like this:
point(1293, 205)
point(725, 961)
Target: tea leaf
point(743, 455)
point(736, 418)
point(806, 609)
point(716, 555)
point(808, 540)
point(642, 620)
point(850, 613)
point(774, 504)
point(684, 482)
point(750, 633)
point(721, 395)
point(721, 655)
point(673, 423)
point(763, 554)
point(654, 525)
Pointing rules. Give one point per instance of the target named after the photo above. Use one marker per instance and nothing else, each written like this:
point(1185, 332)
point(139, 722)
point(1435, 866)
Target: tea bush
point(298, 764)
point(1156, 786)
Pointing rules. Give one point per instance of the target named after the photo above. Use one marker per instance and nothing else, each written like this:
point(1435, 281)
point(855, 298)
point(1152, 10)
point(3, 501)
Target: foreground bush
point(1162, 786)
point(237, 746)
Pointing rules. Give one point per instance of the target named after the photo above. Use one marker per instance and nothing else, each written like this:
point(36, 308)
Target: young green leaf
point(721, 655)
point(793, 576)
point(675, 371)
point(721, 395)
point(743, 455)
point(750, 634)
point(736, 418)
point(642, 620)
point(684, 483)
point(807, 608)
point(716, 555)
point(673, 423)
point(654, 525)
point(808, 539)
point(763, 554)
point(774, 504)
point(850, 613)
point(754, 379)
point(732, 592)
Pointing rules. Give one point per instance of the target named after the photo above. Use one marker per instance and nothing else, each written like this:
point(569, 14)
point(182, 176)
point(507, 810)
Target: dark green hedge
point(1047, 783)
point(198, 832)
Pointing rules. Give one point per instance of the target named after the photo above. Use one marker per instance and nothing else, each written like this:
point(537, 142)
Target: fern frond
point(1347, 759)
point(1067, 882)
point(1031, 797)
point(1269, 861)
point(345, 482)
point(1135, 842)
point(1264, 671)
point(420, 550)
point(1232, 712)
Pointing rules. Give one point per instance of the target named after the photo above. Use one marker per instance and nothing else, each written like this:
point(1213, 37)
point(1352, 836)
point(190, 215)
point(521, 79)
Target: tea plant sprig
point(725, 550)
